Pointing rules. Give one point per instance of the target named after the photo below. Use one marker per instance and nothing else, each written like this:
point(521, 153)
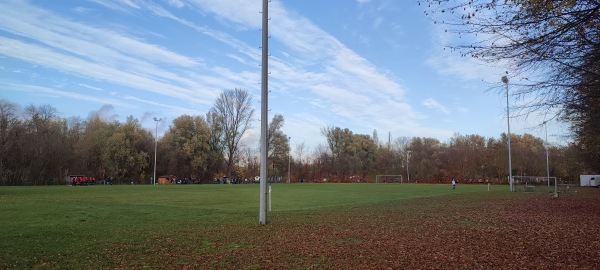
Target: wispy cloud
point(309, 65)
point(91, 87)
point(434, 104)
point(174, 110)
point(51, 92)
point(176, 3)
point(344, 80)
point(97, 53)
point(48, 58)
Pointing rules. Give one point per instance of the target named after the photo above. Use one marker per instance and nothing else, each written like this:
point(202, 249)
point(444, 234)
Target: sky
point(364, 65)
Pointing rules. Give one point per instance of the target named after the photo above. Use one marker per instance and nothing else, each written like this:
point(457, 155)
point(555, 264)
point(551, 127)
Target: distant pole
point(510, 178)
point(547, 158)
point(289, 160)
point(407, 171)
point(155, 148)
point(262, 216)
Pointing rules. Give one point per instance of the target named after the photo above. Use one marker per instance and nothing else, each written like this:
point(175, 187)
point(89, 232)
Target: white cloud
point(77, 66)
point(172, 110)
point(434, 104)
point(51, 92)
point(334, 84)
point(91, 87)
point(244, 13)
point(342, 82)
point(176, 3)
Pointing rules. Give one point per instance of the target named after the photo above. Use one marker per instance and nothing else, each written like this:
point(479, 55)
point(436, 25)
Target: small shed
point(589, 180)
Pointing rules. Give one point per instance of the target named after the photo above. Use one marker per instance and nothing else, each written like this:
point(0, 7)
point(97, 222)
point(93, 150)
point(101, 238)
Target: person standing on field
point(453, 183)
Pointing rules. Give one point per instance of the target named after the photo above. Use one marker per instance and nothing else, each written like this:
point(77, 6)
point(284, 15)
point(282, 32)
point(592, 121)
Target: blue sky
point(359, 64)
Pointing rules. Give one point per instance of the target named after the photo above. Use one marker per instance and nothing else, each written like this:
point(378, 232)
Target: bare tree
point(551, 51)
point(545, 44)
point(8, 122)
point(234, 114)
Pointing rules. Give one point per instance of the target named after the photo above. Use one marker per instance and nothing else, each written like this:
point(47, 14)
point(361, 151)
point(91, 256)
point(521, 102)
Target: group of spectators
point(227, 180)
point(82, 181)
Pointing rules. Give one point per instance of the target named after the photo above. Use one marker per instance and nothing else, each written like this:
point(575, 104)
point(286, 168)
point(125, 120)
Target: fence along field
point(215, 226)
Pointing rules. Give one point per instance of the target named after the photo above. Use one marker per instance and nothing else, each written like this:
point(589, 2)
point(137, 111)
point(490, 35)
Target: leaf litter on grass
point(499, 231)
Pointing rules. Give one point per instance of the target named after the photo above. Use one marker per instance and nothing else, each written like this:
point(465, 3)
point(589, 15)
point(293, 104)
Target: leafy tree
point(363, 150)
point(75, 130)
point(278, 144)
point(215, 159)
point(465, 157)
point(337, 140)
point(89, 149)
point(186, 145)
point(426, 159)
point(234, 112)
point(584, 113)
point(351, 153)
point(126, 151)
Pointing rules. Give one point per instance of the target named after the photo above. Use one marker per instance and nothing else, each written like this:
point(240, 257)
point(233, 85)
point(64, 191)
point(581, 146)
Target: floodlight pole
point(547, 158)
point(155, 147)
point(510, 178)
point(262, 215)
point(289, 160)
point(407, 171)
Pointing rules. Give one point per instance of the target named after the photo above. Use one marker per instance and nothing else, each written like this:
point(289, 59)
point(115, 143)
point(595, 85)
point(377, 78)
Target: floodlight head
point(504, 79)
point(157, 119)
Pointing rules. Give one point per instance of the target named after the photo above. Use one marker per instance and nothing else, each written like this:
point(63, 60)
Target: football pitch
point(318, 226)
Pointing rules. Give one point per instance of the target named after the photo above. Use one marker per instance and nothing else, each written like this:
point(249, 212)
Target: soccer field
point(206, 204)
point(216, 226)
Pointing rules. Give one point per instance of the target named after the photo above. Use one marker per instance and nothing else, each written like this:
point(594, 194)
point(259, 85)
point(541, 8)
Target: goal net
point(388, 178)
point(533, 183)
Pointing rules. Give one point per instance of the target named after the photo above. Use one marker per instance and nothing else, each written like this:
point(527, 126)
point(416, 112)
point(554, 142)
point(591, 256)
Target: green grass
point(81, 227)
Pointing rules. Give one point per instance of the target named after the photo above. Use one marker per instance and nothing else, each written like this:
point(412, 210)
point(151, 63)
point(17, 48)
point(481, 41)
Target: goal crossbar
point(533, 180)
point(388, 178)
point(530, 182)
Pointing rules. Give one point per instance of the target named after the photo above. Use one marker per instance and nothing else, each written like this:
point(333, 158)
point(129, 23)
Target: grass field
point(311, 226)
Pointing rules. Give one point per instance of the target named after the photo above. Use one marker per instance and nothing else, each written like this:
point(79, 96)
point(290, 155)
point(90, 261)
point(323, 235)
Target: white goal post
point(529, 182)
point(388, 178)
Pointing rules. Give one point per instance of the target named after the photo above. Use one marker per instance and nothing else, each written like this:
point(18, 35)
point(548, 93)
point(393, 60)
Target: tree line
point(38, 147)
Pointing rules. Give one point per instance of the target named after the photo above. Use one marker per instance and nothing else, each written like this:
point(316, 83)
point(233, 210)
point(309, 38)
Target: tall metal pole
point(262, 216)
point(510, 178)
point(547, 158)
point(289, 160)
point(155, 148)
point(407, 172)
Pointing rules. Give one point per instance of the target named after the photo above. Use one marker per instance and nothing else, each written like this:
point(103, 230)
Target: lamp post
point(510, 178)
point(407, 172)
point(289, 158)
point(155, 147)
point(547, 158)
